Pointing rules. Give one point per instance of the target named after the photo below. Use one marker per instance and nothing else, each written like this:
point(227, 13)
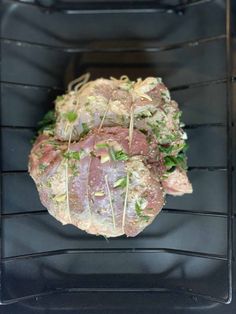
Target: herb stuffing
point(179, 160)
point(47, 123)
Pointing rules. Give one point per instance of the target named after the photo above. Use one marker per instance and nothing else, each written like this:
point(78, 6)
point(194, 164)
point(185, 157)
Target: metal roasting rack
point(118, 7)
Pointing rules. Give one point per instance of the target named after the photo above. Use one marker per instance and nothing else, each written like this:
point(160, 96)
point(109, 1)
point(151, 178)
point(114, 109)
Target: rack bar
point(24, 213)
point(35, 86)
point(187, 126)
point(197, 84)
point(19, 127)
point(117, 7)
point(114, 290)
point(229, 150)
point(195, 212)
point(190, 43)
point(174, 88)
point(165, 210)
point(210, 168)
point(114, 251)
point(1, 220)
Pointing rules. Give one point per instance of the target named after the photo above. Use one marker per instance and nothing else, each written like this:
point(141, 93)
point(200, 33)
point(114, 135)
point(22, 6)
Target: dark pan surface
point(34, 74)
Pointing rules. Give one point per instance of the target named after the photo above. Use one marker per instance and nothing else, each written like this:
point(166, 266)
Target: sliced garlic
point(99, 193)
point(105, 158)
point(60, 198)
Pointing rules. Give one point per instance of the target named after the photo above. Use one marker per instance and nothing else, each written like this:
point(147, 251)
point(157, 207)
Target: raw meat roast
point(115, 149)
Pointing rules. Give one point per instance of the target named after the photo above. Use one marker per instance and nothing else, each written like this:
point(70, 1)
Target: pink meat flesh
point(88, 210)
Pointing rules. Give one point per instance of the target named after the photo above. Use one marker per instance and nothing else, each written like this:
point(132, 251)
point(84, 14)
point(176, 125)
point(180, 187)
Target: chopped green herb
point(177, 115)
point(170, 161)
point(47, 123)
point(185, 148)
point(120, 155)
point(48, 184)
point(102, 145)
point(73, 168)
point(32, 141)
point(48, 118)
point(181, 160)
point(74, 155)
point(139, 209)
point(85, 129)
point(165, 95)
point(145, 218)
point(49, 130)
point(165, 149)
point(155, 129)
point(42, 167)
point(54, 143)
point(71, 116)
point(59, 98)
point(169, 138)
point(121, 183)
point(144, 114)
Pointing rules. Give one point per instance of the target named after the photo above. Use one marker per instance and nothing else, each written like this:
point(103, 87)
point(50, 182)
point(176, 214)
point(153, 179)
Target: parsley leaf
point(120, 155)
point(139, 204)
point(165, 149)
point(138, 208)
point(121, 183)
point(177, 115)
point(48, 122)
point(73, 169)
point(71, 116)
point(85, 129)
point(74, 155)
point(170, 161)
point(42, 167)
point(155, 129)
